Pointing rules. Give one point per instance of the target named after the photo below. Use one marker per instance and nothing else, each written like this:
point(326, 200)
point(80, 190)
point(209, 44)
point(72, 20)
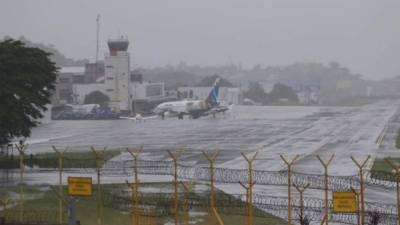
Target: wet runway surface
point(244, 128)
point(307, 131)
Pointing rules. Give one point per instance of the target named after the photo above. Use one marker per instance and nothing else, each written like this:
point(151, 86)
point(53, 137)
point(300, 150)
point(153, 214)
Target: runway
point(291, 130)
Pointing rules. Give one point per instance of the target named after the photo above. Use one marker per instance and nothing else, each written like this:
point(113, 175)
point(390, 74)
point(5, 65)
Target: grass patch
point(72, 159)
point(380, 165)
point(397, 143)
point(383, 171)
point(45, 201)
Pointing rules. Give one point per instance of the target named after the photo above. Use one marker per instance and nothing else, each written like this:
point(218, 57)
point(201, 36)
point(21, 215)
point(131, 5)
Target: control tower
point(117, 45)
point(117, 72)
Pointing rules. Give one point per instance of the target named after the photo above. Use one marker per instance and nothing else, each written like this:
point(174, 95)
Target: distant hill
point(57, 57)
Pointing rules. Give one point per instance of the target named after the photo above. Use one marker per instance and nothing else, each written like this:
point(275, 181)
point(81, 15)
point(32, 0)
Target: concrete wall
point(81, 90)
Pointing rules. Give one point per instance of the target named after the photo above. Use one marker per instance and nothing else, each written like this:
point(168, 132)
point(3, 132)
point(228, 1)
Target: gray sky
point(363, 35)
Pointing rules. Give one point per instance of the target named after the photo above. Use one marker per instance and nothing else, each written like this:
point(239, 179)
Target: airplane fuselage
point(194, 108)
point(185, 107)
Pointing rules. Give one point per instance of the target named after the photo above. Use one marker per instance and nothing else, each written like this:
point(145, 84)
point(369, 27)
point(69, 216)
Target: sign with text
point(344, 202)
point(80, 186)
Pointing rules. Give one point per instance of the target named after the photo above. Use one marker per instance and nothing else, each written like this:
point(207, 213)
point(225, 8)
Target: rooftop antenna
point(97, 37)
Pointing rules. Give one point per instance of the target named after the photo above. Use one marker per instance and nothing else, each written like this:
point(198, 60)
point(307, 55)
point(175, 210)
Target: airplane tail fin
point(212, 98)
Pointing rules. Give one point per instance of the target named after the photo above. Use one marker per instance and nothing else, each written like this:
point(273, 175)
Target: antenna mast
point(97, 38)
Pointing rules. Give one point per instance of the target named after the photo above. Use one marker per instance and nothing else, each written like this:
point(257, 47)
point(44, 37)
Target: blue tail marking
point(212, 98)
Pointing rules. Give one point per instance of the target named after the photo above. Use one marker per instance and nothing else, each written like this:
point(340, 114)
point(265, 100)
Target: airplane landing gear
point(180, 116)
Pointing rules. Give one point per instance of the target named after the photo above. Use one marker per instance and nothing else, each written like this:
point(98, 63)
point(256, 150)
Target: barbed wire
point(233, 204)
point(226, 175)
point(12, 216)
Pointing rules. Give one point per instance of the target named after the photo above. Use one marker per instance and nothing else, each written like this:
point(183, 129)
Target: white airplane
point(193, 108)
point(138, 118)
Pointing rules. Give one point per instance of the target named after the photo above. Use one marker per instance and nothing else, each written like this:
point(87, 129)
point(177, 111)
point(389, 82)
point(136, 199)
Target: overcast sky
point(363, 35)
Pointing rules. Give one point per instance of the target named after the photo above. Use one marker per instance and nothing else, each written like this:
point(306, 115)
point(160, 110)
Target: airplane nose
point(157, 110)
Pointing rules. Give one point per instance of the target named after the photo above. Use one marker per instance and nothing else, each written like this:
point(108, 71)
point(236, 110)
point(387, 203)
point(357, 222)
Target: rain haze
point(362, 35)
point(206, 112)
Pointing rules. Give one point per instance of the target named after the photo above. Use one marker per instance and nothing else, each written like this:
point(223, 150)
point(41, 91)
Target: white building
point(119, 84)
point(226, 94)
point(117, 74)
point(67, 76)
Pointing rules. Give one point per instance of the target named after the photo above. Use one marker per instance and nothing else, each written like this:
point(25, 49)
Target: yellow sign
point(344, 202)
point(80, 186)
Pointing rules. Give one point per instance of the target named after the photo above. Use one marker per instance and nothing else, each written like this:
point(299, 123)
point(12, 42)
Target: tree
point(256, 93)
point(281, 91)
point(27, 79)
point(209, 81)
point(97, 97)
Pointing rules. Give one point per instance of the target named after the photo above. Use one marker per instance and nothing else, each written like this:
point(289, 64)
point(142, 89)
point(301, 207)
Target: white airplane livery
point(193, 108)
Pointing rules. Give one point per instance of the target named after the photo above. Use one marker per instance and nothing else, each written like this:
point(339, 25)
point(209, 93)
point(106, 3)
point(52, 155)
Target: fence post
point(99, 157)
point(325, 164)
point(324, 219)
point(361, 172)
point(175, 158)
point(60, 187)
point(187, 187)
point(249, 189)
point(135, 212)
point(289, 165)
point(211, 159)
point(21, 149)
point(216, 214)
point(135, 191)
point(249, 201)
point(301, 191)
point(152, 217)
point(396, 170)
point(357, 194)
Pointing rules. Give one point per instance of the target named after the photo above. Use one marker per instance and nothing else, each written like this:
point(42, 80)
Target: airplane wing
point(127, 118)
point(150, 117)
point(215, 110)
point(135, 118)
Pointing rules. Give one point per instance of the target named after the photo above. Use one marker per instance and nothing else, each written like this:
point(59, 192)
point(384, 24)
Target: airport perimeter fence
point(161, 204)
point(381, 179)
point(278, 206)
point(223, 175)
point(233, 204)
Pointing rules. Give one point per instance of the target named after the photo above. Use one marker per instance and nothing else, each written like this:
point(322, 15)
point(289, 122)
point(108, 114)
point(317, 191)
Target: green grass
point(241, 220)
point(380, 165)
point(397, 143)
point(44, 199)
point(382, 170)
point(71, 159)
